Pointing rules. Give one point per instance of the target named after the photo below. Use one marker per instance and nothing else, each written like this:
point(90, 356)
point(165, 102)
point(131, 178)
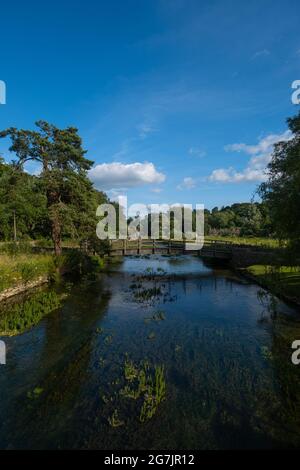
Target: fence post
point(153, 246)
point(124, 246)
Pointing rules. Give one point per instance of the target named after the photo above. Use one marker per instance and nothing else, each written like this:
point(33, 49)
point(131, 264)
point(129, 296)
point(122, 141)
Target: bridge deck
point(210, 249)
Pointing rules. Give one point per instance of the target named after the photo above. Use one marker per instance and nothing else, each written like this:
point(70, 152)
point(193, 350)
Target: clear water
point(227, 364)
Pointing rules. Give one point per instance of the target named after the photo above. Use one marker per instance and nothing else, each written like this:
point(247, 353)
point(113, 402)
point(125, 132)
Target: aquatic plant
point(104, 399)
point(148, 294)
point(156, 392)
point(157, 316)
point(108, 339)
point(266, 353)
point(161, 271)
point(130, 370)
point(151, 335)
point(130, 392)
point(149, 270)
point(114, 420)
point(101, 361)
point(35, 393)
point(25, 315)
point(146, 384)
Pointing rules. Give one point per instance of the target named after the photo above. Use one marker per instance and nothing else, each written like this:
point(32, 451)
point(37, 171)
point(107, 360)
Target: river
point(159, 353)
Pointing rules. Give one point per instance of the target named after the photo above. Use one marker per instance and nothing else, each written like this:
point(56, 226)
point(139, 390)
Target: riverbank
point(283, 281)
point(251, 241)
point(21, 272)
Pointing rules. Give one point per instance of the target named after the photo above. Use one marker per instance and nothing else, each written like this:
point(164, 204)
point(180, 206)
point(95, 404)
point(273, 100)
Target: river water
point(227, 380)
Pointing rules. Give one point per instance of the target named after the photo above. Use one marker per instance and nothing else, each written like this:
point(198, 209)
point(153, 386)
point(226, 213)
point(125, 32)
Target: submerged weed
point(155, 394)
point(149, 386)
point(130, 371)
point(151, 335)
point(23, 316)
point(157, 316)
point(114, 420)
point(35, 393)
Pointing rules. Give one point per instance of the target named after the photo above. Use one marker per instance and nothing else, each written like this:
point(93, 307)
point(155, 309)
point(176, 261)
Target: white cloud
point(188, 183)
point(120, 175)
point(145, 129)
point(262, 53)
point(265, 145)
point(156, 190)
point(230, 175)
point(197, 152)
point(255, 170)
point(115, 194)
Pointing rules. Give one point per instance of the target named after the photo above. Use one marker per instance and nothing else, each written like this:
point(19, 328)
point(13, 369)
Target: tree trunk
point(56, 235)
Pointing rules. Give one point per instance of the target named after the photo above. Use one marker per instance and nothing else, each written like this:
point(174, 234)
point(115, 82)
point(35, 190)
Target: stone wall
point(20, 288)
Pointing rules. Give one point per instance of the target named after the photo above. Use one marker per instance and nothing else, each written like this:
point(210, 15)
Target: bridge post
point(139, 246)
point(124, 246)
point(169, 247)
point(153, 246)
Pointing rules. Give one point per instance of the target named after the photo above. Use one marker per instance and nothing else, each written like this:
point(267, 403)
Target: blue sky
point(176, 100)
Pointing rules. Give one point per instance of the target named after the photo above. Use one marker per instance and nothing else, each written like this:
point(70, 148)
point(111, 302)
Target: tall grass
point(22, 268)
point(256, 241)
point(282, 280)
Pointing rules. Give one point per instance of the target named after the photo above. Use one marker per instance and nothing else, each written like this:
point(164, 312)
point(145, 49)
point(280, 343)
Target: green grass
point(256, 241)
point(22, 268)
point(284, 280)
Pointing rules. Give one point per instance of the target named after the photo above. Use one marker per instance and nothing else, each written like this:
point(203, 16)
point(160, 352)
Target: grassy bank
point(23, 268)
point(17, 273)
point(283, 281)
point(255, 241)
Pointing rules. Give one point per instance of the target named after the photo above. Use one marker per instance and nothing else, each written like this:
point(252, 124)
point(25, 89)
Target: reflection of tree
point(284, 332)
point(64, 367)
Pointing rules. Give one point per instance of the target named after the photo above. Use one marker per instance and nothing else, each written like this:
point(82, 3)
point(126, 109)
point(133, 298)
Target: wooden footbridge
point(210, 249)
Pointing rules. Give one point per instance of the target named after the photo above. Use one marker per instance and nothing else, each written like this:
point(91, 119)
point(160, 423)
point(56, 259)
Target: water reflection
point(81, 378)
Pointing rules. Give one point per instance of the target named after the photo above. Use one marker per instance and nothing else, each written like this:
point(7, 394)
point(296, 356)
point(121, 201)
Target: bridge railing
point(156, 245)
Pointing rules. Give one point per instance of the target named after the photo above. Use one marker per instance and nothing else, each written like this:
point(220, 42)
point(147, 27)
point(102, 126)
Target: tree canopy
point(61, 199)
point(281, 192)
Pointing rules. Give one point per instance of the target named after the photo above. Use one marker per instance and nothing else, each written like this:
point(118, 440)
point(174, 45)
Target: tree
point(63, 171)
point(281, 192)
point(21, 194)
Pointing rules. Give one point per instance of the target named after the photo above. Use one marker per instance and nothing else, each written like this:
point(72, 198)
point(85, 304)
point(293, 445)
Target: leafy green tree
point(63, 173)
point(239, 219)
point(21, 195)
point(282, 190)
